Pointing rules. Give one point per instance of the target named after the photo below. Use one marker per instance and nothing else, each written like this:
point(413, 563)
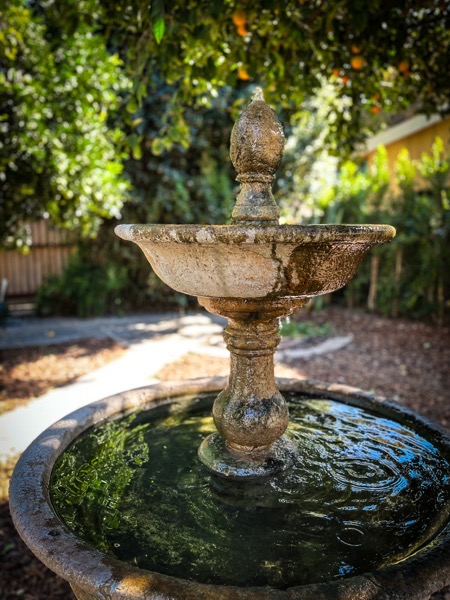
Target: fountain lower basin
point(373, 438)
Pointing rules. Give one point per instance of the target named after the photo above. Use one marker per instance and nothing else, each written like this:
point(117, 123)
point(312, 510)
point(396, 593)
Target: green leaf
point(157, 17)
point(159, 27)
point(157, 146)
point(137, 152)
point(132, 106)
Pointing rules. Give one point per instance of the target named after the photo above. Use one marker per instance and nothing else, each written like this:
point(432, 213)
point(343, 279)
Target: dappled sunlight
point(134, 584)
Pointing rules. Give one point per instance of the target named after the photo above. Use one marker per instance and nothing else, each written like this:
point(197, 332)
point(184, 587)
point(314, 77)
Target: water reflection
point(365, 492)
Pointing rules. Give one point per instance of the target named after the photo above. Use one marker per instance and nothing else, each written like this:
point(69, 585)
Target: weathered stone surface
point(256, 150)
point(243, 261)
point(250, 413)
point(253, 275)
point(251, 260)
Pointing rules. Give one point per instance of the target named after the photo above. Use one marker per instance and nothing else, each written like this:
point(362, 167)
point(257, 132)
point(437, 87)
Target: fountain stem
point(251, 415)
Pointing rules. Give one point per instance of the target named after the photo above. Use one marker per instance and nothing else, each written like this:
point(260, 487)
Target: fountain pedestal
point(254, 272)
point(250, 414)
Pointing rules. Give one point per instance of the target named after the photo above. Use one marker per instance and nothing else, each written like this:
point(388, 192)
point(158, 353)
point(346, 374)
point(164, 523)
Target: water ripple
point(365, 492)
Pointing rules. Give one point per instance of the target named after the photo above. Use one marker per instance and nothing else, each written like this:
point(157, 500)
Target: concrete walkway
point(128, 330)
point(152, 341)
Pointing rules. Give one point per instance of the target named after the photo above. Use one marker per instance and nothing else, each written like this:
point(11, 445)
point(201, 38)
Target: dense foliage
point(411, 275)
point(190, 185)
point(59, 156)
point(378, 54)
point(60, 79)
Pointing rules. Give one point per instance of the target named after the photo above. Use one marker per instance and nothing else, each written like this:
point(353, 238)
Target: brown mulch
point(403, 360)
point(27, 373)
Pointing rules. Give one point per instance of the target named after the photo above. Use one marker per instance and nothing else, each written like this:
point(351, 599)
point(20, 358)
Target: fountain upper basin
point(254, 261)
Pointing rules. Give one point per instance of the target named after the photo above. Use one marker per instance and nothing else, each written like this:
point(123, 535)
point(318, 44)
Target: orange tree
point(379, 54)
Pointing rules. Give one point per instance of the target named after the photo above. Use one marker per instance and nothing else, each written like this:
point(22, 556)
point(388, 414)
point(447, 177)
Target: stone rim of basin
point(239, 234)
point(93, 574)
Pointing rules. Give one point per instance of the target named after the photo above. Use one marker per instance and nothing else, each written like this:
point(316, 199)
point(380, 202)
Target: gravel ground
point(405, 361)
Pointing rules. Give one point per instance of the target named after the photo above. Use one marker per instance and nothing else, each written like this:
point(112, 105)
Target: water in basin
point(365, 492)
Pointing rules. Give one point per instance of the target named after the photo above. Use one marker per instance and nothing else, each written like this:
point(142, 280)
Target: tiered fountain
point(348, 499)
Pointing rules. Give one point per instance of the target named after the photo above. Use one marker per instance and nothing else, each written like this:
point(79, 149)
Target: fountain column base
point(227, 462)
point(250, 414)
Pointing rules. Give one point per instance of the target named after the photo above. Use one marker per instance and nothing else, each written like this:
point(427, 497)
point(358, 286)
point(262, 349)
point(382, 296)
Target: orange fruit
point(375, 109)
point(335, 72)
point(376, 96)
point(356, 49)
point(242, 74)
point(403, 67)
point(239, 18)
point(345, 79)
point(357, 62)
point(242, 31)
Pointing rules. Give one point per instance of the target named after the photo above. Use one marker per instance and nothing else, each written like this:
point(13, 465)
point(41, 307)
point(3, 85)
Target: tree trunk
point(373, 290)
point(397, 278)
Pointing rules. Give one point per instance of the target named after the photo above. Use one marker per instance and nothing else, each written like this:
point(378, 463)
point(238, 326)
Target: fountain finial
point(256, 150)
point(258, 94)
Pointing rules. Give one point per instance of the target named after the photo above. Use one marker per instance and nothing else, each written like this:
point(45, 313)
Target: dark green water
point(365, 492)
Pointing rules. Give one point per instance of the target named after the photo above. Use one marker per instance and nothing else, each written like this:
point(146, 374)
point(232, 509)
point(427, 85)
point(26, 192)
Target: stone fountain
point(347, 499)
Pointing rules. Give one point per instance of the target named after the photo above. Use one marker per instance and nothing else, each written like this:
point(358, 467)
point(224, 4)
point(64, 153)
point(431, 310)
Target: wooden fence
point(49, 253)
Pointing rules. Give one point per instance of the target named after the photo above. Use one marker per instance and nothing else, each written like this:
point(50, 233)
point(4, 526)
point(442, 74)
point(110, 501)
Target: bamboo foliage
point(410, 276)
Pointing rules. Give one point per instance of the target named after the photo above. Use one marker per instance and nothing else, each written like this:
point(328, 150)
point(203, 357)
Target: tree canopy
point(378, 54)
point(78, 77)
point(59, 156)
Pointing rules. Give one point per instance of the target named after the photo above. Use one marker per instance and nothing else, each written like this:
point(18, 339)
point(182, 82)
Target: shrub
point(84, 288)
point(410, 276)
